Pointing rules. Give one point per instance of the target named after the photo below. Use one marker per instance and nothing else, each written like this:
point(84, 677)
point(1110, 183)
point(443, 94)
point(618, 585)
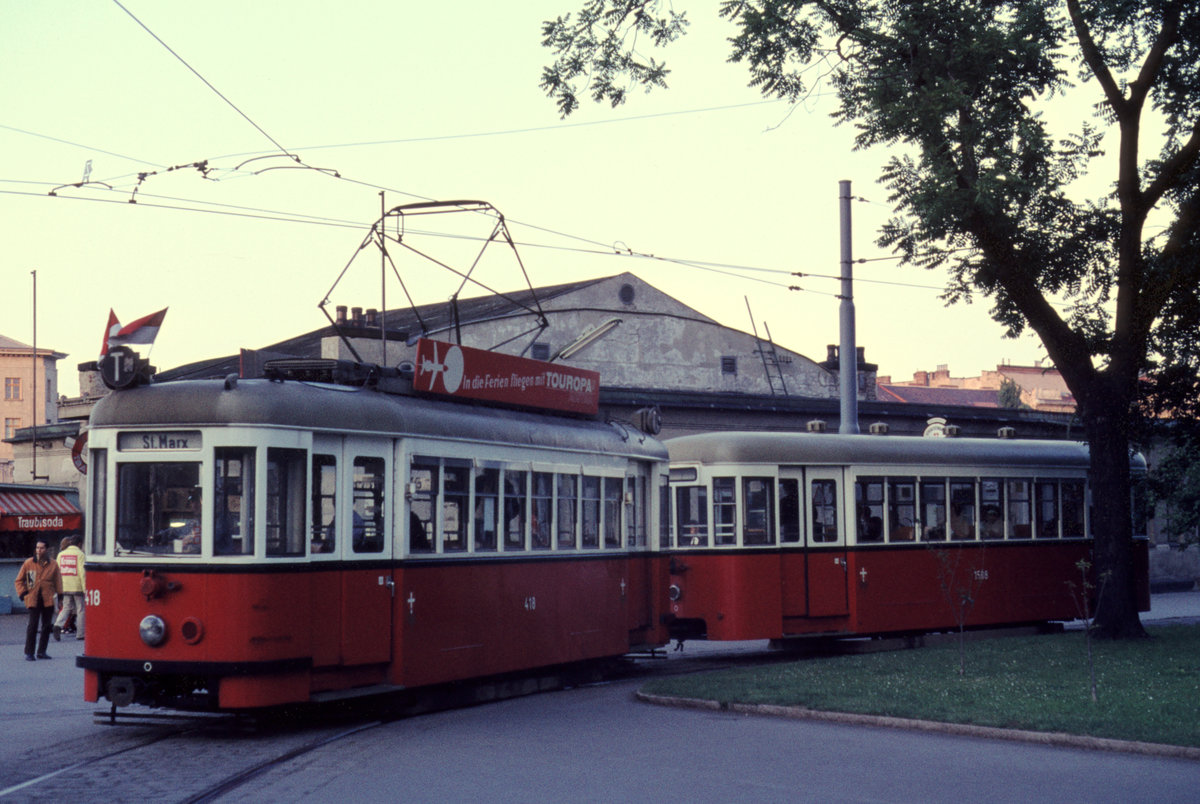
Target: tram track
point(195, 759)
point(38, 784)
point(236, 780)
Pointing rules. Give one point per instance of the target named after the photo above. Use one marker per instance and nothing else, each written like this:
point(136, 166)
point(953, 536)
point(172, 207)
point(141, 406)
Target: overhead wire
point(273, 215)
point(78, 145)
point(196, 72)
point(738, 270)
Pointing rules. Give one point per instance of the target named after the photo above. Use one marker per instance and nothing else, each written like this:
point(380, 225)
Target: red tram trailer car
point(777, 535)
point(316, 534)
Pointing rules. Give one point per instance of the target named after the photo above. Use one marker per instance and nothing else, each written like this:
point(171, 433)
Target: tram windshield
point(158, 507)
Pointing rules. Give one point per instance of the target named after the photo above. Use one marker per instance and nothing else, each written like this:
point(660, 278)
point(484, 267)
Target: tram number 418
point(92, 597)
point(530, 603)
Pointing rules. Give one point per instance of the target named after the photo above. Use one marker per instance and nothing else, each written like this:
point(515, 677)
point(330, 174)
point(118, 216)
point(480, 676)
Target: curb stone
point(1058, 739)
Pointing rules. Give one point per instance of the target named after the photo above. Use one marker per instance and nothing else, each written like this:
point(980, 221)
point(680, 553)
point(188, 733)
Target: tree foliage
point(1009, 396)
point(985, 175)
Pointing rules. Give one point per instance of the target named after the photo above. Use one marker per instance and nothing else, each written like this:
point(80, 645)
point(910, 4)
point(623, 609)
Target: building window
point(540, 351)
point(10, 427)
point(729, 365)
point(12, 389)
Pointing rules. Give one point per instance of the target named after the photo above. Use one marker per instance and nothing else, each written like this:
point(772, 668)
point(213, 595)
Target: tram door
point(793, 559)
point(365, 545)
point(825, 531)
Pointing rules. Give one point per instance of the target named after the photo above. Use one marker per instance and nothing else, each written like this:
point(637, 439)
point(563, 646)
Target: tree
point(1009, 395)
point(981, 185)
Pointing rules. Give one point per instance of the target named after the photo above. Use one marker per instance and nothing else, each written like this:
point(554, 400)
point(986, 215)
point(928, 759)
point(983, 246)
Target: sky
point(705, 190)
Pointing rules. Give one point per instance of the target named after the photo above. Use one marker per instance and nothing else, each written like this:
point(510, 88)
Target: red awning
point(38, 511)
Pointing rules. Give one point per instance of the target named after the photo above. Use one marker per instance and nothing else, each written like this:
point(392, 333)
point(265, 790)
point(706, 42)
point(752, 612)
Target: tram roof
point(830, 448)
point(326, 407)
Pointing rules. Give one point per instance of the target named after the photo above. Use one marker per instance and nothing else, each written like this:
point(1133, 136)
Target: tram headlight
point(674, 592)
point(152, 630)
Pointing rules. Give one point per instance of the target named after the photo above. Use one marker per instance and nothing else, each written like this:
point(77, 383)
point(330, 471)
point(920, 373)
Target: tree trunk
point(1116, 613)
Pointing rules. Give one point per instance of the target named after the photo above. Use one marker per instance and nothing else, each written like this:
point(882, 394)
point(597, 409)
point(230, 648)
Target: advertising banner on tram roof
point(461, 371)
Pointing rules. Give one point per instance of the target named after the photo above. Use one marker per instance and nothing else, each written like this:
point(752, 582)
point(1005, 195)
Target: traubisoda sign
point(460, 371)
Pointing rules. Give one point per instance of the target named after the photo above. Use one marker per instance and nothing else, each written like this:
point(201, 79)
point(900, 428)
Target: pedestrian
point(70, 567)
point(37, 583)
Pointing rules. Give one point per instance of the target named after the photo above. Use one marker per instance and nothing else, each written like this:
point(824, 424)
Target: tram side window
point(516, 485)
point(758, 527)
point(487, 508)
point(324, 503)
point(456, 492)
point(1018, 510)
point(789, 511)
point(962, 510)
point(516, 490)
point(933, 510)
point(637, 534)
point(691, 512)
point(1045, 509)
point(543, 509)
point(285, 502)
point(824, 511)
point(99, 470)
point(233, 502)
point(612, 511)
point(590, 512)
point(567, 524)
point(158, 508)
point(637, 511)
point(1074, 500)
point(725, 510)
point(367, 514)
point(868, 500)
point(991, 505)
point(902, 509)
point(424, 480)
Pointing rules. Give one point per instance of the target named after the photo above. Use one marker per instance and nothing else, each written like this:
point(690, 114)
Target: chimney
point(341, 314)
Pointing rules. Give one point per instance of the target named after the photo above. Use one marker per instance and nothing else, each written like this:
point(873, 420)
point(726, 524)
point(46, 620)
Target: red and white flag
point(144, 330)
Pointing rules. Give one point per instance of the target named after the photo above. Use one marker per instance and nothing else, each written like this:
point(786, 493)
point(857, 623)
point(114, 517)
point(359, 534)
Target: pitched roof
point(922, 395)
point(427, 319)
point(10, 343)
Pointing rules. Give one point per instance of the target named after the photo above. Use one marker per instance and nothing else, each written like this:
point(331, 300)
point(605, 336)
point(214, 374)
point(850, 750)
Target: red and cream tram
point(262, 542)
point(789, 534)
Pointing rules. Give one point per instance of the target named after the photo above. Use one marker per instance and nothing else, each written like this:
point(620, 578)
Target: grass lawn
point(1148, 690)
